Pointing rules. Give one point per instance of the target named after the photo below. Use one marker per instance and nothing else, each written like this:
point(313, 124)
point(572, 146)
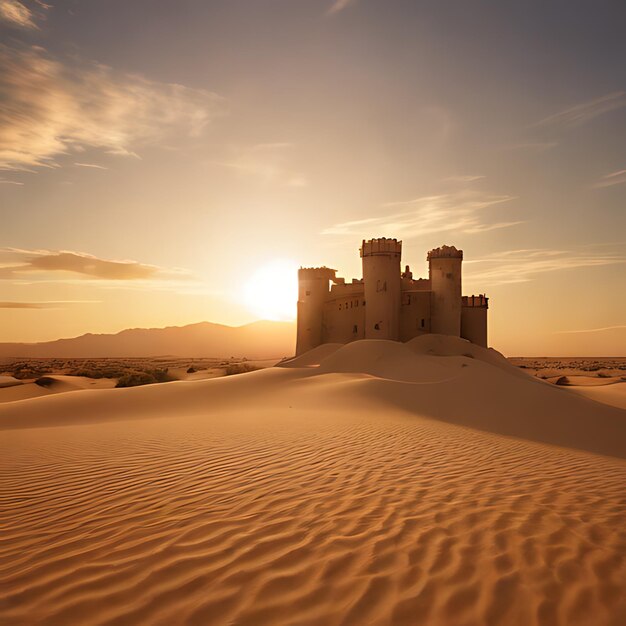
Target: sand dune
point(615, 395)
point(354, 492)
point(50, 384)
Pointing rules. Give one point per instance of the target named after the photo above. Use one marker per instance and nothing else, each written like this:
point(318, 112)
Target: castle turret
point(445, 278)
point(383, 286)
point(313, 289)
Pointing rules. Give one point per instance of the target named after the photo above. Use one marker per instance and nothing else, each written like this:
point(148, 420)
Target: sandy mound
point(9, 381)
point(312, 358)
point(348, 493)
point(614, 395)
point(585, 381)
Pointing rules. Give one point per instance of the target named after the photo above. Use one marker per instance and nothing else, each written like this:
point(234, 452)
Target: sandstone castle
point(388, 303)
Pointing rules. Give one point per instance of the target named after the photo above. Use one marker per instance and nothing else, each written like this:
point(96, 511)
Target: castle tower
point(444, 267)
point(313, 289)
point(383, 286)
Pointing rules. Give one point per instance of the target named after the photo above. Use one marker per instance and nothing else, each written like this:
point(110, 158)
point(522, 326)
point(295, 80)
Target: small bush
point(149, 377)
point(191, 370)
point(135, 379)
point(239, 368)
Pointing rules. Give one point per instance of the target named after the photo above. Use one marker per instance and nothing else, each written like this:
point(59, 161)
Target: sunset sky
point(155, 155)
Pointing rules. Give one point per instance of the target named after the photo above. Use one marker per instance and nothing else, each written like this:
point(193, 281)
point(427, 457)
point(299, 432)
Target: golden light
point(272, 291)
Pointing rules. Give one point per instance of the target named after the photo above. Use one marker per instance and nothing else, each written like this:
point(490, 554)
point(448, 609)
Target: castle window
point(355, 329)
point(423, 322)
point(308, 293)
point(340, 307)
point(377, 326)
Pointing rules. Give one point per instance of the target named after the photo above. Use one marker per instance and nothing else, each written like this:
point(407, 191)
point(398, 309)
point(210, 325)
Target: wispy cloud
point(536, 146)
point(581, 113)
point(93, 165)
point(51, 108)
point(49, 304)
point(339, 5)
point(17, 14)
point(269, 162)
point(16, 263)
point(460, 212)
point(517, 266)
point(467, 178)
point(4, 181)
point(591, 330)
point(609, 180)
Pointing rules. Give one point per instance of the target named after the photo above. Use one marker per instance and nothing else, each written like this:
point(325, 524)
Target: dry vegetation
point(548, 367)
point(128, 372)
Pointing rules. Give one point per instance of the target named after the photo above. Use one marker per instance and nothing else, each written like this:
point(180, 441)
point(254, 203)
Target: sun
point(271, 293)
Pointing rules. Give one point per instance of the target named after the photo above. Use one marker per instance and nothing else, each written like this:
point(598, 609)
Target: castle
point(388, 303)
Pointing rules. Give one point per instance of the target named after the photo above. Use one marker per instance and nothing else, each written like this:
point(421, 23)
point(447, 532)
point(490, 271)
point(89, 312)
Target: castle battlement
point(316, 272)
point(388, 303)
point(445, 252)
point(480, 300)
point(381, 246)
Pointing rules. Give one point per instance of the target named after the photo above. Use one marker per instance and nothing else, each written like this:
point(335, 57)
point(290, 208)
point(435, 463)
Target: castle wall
point(383, 285)
point(344, 319)
point(414, 314)
point(474, 319)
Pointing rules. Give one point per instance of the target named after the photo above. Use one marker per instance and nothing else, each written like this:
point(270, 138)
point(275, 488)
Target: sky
point(161, 161)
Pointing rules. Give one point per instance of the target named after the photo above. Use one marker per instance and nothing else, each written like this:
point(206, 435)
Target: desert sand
point(373, 483)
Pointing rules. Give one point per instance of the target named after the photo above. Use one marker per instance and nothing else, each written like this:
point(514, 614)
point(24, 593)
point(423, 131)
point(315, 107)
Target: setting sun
point(272, 291)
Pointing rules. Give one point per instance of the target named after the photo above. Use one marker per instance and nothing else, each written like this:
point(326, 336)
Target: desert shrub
point(191, 370)
point(239, 368)
point(148, 377)
point(135, 379)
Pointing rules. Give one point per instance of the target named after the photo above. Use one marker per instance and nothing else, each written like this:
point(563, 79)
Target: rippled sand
point(366, 513)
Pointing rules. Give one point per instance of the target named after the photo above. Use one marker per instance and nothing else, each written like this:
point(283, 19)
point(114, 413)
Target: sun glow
point(272, 291)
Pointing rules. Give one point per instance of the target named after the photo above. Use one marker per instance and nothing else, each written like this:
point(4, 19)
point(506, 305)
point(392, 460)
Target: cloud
point(615, 178)
point(459, 212)
point(4, 181)
point(17, 14)
point(339, 5)
point(93, 165)
point(591, 330)
point(581, 113)
point(18, 263)
point(517, 266)
point(51, 108)
point(463, 179)
point(538, 146)
point(50, 304)
point(269, 162)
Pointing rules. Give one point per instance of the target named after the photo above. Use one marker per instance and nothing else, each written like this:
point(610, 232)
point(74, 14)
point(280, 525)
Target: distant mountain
point(257, 340)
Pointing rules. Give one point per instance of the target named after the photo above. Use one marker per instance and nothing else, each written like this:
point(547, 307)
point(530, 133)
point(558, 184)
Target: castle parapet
point(311, 273)
point(445, 252)
point(476, 301)
point(383, 245)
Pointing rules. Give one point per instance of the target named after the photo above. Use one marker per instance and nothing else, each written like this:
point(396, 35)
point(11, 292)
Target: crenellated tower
point(313, 290)
point(383, 287)
point(444, 268)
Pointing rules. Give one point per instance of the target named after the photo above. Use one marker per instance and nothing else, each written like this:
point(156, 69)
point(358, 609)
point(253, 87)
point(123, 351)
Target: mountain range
point(263, 339)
